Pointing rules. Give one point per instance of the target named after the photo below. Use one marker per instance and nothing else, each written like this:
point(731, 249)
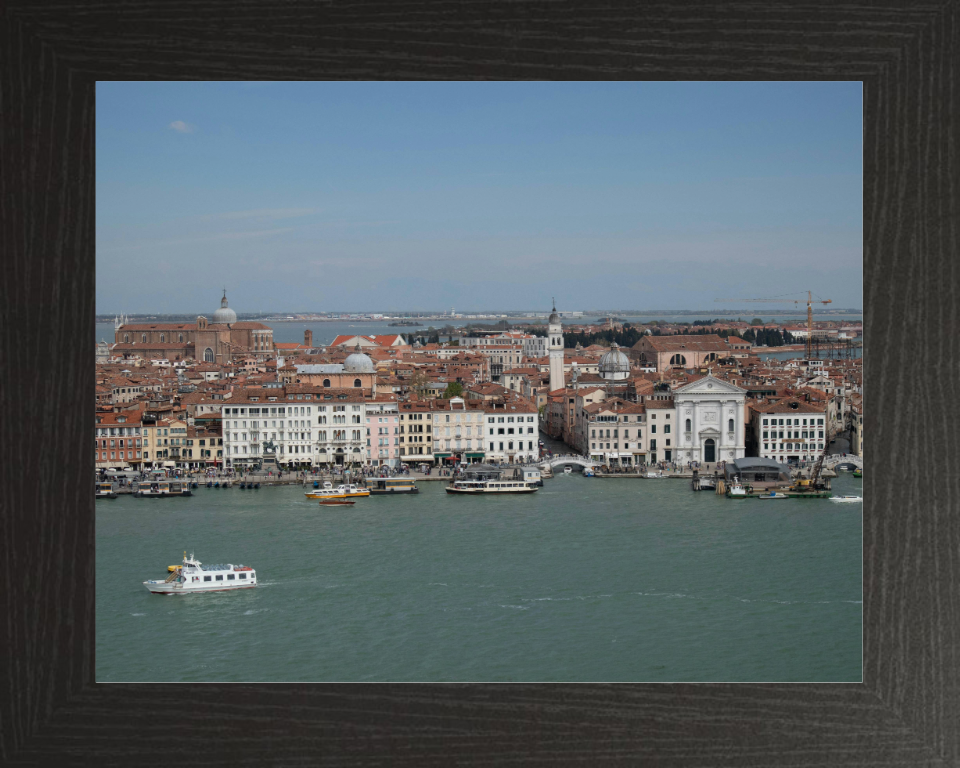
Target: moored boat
point(737, 491)
point(385, 485)
point(858, 472)
point(155, 489)
point(772, 495)
point(847, 499)
point(105, 491)
point(193, 576)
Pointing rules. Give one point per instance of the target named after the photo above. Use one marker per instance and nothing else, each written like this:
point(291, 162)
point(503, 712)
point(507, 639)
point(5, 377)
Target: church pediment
point(708, 385)
point(709, 432)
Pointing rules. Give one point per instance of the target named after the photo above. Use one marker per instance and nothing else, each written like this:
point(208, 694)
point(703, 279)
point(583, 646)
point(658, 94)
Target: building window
point(208, 355)
point(689, 425)
point(730, 425)
point(326, 382)
point(356, 382)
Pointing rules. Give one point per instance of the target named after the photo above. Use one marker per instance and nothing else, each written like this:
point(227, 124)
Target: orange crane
point(810, 302)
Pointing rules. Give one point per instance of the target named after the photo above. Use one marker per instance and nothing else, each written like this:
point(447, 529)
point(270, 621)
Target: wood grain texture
point(907, 710)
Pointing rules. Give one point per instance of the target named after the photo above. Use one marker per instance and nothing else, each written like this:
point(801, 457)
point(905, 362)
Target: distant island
point(410, 323)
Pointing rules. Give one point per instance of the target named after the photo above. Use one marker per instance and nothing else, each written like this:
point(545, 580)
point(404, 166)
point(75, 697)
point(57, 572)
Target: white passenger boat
point(492, 485)
point(567, 470)
point(350, 491)
point(847, 499)
point(105, 491)
point(736, 490)
point(193, 576)
point(655, 475)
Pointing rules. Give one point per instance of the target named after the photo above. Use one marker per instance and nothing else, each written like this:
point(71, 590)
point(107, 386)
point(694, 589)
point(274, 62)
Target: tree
point(756, 321)
point(454, 389)
point(418, 382)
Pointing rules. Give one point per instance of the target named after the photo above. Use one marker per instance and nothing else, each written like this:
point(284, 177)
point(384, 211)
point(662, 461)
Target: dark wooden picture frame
point(51, 711)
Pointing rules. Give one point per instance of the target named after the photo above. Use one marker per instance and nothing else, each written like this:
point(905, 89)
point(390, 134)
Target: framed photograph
point(901, 713)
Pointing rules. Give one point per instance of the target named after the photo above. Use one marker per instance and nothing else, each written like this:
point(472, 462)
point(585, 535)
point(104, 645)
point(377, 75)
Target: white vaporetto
point(194, 576)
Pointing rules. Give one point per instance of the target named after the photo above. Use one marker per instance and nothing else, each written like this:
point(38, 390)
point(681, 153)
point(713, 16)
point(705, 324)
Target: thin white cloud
point(181, 127)
point(110, 248)
point(265, 213)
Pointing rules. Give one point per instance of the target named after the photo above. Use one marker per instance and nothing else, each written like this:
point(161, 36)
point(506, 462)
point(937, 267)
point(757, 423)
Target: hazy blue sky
point(413, 196)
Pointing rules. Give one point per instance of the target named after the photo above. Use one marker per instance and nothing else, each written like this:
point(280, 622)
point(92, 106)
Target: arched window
point(208, 355)
point(163, 338)
point(356, 383)
point(730, 425)
point(678, 360)
point(126, 338)
point(143, 337)
point(326, 382)
point(181, 337)
point(711, 357)
point(688, 425)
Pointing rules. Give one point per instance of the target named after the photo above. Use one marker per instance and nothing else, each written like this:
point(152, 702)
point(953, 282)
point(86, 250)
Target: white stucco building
point(709, 421)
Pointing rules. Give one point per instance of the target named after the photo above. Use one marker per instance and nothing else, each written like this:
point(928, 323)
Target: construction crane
point(810, 302)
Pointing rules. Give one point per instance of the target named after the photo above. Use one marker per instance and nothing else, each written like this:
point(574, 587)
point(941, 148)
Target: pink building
point(383, 433)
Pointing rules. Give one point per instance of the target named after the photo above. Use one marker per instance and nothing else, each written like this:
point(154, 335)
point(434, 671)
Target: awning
point(475, 455)
point(169, 463)
point(442, 455)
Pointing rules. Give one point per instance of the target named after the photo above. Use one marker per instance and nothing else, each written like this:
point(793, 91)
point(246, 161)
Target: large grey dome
point(358, 362)
point(224, 314)
point(614, 364)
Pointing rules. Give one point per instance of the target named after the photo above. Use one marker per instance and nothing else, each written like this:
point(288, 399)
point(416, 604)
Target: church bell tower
point(555, 344)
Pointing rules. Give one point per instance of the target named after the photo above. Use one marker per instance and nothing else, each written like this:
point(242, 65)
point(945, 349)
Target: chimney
point(308, 338)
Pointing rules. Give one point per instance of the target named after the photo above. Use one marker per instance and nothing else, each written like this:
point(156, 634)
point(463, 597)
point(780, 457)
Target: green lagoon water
point(585, 580)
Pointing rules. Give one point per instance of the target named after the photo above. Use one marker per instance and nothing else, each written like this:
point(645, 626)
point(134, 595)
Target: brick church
point(218, 340)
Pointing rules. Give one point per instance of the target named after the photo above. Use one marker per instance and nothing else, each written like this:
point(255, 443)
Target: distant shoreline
point(448, 320)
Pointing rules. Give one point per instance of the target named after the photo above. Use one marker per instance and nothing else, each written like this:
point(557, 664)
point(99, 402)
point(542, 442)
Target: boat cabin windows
point(207, 578)
point(243, 575)
point(230, 577)
point(220, 578)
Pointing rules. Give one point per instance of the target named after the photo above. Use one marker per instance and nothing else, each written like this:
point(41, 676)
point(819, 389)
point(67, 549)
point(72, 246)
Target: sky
point(321, 197)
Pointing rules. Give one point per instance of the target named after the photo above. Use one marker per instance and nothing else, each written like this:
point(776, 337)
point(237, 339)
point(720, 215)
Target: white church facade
point(710, 423)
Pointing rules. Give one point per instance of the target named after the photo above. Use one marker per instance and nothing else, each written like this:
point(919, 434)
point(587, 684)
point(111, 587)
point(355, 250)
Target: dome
point(554, 317)
point(359, 363)
point(224, 314)
point(614, 364)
